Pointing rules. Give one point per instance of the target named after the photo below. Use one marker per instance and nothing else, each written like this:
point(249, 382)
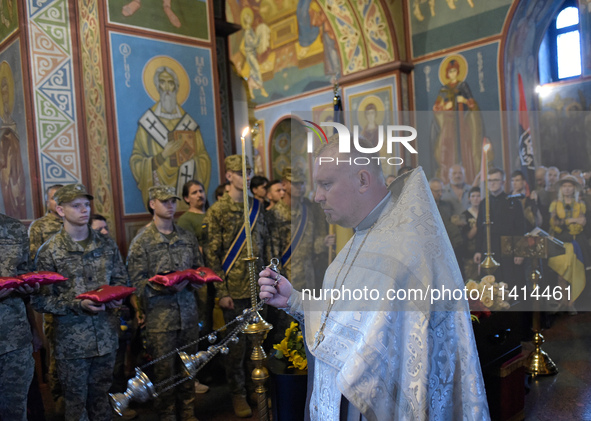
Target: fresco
point(565, 114)
point(287, 47)
point(166, 122)
point(54, 93)
point(15, 179)
point(8, 18)
point(188, 18)
point(440, 24)
point(460, 92)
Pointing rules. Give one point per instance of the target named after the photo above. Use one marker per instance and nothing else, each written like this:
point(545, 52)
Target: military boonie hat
point(234, 163)
point(70, 192)
point(162, 193)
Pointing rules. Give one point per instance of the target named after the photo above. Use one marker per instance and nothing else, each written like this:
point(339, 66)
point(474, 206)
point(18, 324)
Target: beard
point(168, 102)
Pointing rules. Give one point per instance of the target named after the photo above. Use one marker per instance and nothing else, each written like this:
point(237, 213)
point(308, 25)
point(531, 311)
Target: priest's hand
point(275, 288)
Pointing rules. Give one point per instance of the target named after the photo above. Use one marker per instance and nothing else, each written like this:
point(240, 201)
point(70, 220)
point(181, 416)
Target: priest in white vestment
point(392, 357)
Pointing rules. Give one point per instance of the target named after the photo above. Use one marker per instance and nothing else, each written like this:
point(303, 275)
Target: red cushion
point(107, 293)
point(9, 282)
point(168, 279)
point(209, 275)
point(42, 277)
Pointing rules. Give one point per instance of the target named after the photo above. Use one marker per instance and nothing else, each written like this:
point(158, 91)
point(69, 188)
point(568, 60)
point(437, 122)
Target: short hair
point(475, 189)
point(96, 217)
point(50, 188)
point(220, 190)
point(517, 173)
point(257, 181)
point(494, 170)
point(436, 180)
point(272, 183)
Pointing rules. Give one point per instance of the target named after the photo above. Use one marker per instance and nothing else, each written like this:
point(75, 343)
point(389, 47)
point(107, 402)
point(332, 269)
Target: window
point(560, 52)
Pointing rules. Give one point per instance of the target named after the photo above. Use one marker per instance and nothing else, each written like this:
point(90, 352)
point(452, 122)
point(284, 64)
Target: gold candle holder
point(489, 264)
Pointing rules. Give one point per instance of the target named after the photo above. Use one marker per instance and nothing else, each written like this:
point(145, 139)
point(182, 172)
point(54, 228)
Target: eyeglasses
point(492, 180)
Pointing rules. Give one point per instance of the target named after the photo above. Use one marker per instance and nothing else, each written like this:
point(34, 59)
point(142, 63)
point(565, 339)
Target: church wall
point(81, 76)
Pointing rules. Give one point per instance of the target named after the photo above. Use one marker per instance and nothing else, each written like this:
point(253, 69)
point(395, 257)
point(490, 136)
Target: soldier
point(40, 231)
point(85, 331)
point(302, 233)
point(223, 222)
point(16, 353)
point(171, 317)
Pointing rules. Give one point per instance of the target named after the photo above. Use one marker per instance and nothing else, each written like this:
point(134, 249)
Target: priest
point(395, 347)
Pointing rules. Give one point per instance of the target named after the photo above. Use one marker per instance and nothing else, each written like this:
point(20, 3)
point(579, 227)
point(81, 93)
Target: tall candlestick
point(489, 265)
point(245, 193)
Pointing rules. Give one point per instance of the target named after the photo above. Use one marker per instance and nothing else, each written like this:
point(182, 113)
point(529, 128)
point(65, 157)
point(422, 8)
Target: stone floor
point(566, 396)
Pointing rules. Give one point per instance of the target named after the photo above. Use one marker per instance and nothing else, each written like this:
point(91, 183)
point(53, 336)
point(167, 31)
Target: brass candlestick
point(489, 265)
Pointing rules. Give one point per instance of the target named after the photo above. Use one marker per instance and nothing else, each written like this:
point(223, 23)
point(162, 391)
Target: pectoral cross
point(186, 176)
point(319, 336)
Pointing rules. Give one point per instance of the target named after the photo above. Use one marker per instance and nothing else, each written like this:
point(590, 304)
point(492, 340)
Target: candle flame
point(486, 147)
point(245, 131)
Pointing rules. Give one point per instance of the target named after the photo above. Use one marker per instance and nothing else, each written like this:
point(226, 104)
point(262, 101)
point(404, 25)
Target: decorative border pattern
point(94, 101)
point(54, 95)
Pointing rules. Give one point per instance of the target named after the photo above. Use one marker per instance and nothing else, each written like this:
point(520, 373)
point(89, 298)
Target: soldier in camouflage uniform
point(312, 244)
point(85, 331)
point(40, 231)
point(16, 353)
point(223, 222)
point(170, 312)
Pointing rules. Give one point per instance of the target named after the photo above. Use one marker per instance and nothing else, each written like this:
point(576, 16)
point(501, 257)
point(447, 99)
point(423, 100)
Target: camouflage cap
point(295, 176)
point(162, 193)
point(234, 163)
point(70, 192)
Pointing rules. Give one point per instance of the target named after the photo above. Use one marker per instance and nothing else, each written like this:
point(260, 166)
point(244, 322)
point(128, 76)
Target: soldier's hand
point(5, 292)
point(171, 148)
point(26, 289)
point(477, 258)
point(180, 286)
point(275, 288)
point(92, 306)
point(226, 303)
point(140, 318)
point(330, 240)
point(114, 304)
point(518, 260)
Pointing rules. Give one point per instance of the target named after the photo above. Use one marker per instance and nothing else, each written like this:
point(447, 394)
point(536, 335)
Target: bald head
point(348, 186)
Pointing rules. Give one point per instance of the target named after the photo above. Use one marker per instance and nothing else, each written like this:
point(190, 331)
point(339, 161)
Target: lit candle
point(486, 148)
point(245, 193)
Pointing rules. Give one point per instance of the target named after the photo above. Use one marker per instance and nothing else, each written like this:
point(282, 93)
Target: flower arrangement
point(489, 293)
point(292, 348)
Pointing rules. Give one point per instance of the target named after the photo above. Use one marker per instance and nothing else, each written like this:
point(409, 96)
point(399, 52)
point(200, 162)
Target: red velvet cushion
point(107, 293)
point(169, 279)
point(209, 275)
point(42, 277)
point(9, 282)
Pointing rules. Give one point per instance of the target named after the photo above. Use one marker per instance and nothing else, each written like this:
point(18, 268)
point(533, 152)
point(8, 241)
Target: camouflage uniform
point(40, 231)
point(85, 343)
point(16, 353)
point(171, 317)
point(222, 223)
point(300, 268)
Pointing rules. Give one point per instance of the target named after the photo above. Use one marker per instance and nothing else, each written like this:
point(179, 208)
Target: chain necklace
point(319, 336)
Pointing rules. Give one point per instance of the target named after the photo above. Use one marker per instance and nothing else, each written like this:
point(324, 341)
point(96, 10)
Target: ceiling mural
point(287, 47)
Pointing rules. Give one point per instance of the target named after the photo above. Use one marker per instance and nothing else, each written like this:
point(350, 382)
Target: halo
point(6, 72)
point(462, 73)
point(378, 103)
point(148, 78)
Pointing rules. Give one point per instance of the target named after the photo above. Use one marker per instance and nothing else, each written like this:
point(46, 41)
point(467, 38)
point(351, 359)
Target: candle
point(486, 147)
point(245, 194)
